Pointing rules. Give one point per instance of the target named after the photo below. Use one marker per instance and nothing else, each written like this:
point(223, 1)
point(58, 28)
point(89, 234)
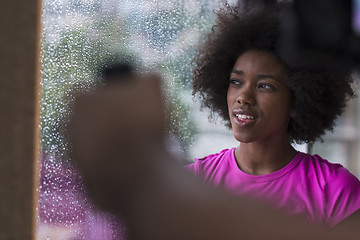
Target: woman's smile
point(243, 118)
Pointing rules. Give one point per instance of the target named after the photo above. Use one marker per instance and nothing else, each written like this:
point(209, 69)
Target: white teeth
point(243, 116)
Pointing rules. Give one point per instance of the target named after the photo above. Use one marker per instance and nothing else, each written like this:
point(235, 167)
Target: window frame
point(20, 48)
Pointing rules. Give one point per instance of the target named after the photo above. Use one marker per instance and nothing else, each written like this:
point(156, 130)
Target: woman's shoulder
point(210, 162)
point(334, 174)
point(341, 188)
point(216, 156)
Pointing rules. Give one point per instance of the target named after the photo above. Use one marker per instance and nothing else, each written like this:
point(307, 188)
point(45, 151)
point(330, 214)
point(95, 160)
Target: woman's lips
point(243, 118)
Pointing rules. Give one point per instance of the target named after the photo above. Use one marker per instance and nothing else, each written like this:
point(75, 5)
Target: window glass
point(78, 36)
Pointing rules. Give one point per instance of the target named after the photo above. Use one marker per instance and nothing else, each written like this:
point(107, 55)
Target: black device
point(115, 71)
point(324, 32)
point(319, 32)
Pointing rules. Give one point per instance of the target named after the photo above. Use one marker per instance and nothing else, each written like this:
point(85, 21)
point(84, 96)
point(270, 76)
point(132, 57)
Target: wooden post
point(20, 31)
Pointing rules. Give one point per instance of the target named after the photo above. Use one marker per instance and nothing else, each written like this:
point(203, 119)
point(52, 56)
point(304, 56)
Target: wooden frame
point(20, 32)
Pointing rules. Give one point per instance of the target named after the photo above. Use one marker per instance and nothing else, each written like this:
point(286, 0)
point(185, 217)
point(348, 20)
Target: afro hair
point(318, 95)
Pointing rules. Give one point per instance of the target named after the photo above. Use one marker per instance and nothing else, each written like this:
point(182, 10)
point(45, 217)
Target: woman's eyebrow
point(259, 76)
point(262, 76)
point(237, 71)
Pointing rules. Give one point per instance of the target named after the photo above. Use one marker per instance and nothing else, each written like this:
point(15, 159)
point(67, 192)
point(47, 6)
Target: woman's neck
point(260, 158)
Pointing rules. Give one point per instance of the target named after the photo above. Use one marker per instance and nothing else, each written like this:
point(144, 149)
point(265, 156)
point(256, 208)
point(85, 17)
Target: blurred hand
point(116, 134)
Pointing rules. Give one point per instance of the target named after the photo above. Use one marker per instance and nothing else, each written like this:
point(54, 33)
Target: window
point(160, 34)
point(343, 145)
point(78, 36)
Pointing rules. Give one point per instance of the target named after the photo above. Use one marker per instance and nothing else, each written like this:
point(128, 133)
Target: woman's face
point(258, 99)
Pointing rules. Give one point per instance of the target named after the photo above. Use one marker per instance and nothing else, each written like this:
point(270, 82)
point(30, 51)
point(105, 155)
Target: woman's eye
point(265, 86)
point(235, 82)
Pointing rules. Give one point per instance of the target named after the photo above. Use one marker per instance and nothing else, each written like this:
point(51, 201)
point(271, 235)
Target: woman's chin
point(243, 139)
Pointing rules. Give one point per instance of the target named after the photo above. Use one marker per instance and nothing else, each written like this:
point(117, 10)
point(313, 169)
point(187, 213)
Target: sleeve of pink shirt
point(343, 192)
point(194, 168)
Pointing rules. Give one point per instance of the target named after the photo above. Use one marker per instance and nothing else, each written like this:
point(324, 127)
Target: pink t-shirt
point(323, 192)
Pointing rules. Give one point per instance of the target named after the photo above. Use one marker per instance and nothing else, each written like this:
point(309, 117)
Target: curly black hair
point(318, 95)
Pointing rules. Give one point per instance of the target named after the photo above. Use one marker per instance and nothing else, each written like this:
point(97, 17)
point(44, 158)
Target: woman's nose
point(246, 97)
